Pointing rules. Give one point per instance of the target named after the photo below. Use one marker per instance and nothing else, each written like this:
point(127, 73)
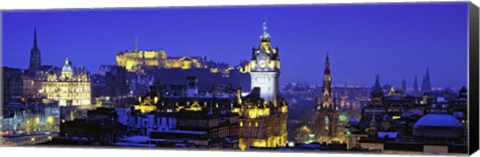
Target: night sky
point(396, 41)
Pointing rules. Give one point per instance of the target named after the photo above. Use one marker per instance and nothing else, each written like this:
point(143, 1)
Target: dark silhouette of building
point(415, 87)
point(426, 85)
point(35, 58)
point(377, 95)
point(12, 84)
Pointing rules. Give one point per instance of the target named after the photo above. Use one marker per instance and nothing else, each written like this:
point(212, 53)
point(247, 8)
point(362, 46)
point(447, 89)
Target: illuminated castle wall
point(72, 88)
point(263, 115)
point(137, 60)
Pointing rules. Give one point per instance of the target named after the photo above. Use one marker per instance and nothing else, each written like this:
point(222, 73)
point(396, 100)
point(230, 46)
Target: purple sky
point(396, 41)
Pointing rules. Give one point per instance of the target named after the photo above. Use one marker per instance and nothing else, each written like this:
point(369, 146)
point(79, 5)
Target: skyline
point(242, 26)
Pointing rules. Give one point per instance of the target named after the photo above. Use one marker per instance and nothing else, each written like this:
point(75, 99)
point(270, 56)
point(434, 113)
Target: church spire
point(327, 101)
point(327, 66)
point(426, 85)
point(35, 60)
point(327, 62)
point(377, 83)
point(376, 95)
point(35, 38)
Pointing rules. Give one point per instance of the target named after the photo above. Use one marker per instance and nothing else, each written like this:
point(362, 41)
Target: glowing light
point(50, 120)
point(145, 108)
point(195, 106)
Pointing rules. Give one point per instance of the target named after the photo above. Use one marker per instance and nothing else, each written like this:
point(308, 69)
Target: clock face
point(262, 63)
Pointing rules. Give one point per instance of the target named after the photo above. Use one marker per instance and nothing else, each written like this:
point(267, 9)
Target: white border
point(49, 4)
point(91, 151)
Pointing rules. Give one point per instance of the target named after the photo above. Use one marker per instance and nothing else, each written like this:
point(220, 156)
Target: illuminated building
point(265, 67)
point(171, 114)
point(30, 117)
point(71, 88)
point(263, 115)
point(29, 123)
point(138, 60)
point(327, 116)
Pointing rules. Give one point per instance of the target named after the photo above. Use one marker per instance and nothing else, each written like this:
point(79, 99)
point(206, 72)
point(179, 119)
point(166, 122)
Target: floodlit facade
point(71, 88)
point(137, 60)
point(263, 114)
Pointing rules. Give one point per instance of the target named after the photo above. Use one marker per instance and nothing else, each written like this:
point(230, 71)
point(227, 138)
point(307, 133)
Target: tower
point(376, 95)
point(415, 86)
point(265, 64)
point(264, 113)
point(404, 86)
point(326, 100)
point(35, 60)
point(326, 115)
point(426, 86)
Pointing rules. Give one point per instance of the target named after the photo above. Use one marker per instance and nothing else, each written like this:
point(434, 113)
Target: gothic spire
point(35, 59)
point(35, 38)
point(377, 83)
point(327, 65)
point(327, 61)
point(426, 86)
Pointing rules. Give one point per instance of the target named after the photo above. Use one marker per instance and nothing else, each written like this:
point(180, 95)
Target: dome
point(67, 68)
point(353, 120)
point(437, 120)
point(438, 126)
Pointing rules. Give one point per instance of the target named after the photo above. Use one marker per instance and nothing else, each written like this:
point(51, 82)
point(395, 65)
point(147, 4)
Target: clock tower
point(265, 67)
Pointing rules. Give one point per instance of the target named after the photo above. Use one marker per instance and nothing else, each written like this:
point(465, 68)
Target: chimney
point(192, 86)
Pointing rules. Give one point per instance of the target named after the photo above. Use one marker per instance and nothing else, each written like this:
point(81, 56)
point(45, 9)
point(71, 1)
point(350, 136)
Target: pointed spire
point(327, 61)
point(426, 86)
point(265, 36)
point(377, 82)
point(327, 65)
point(35, 46)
